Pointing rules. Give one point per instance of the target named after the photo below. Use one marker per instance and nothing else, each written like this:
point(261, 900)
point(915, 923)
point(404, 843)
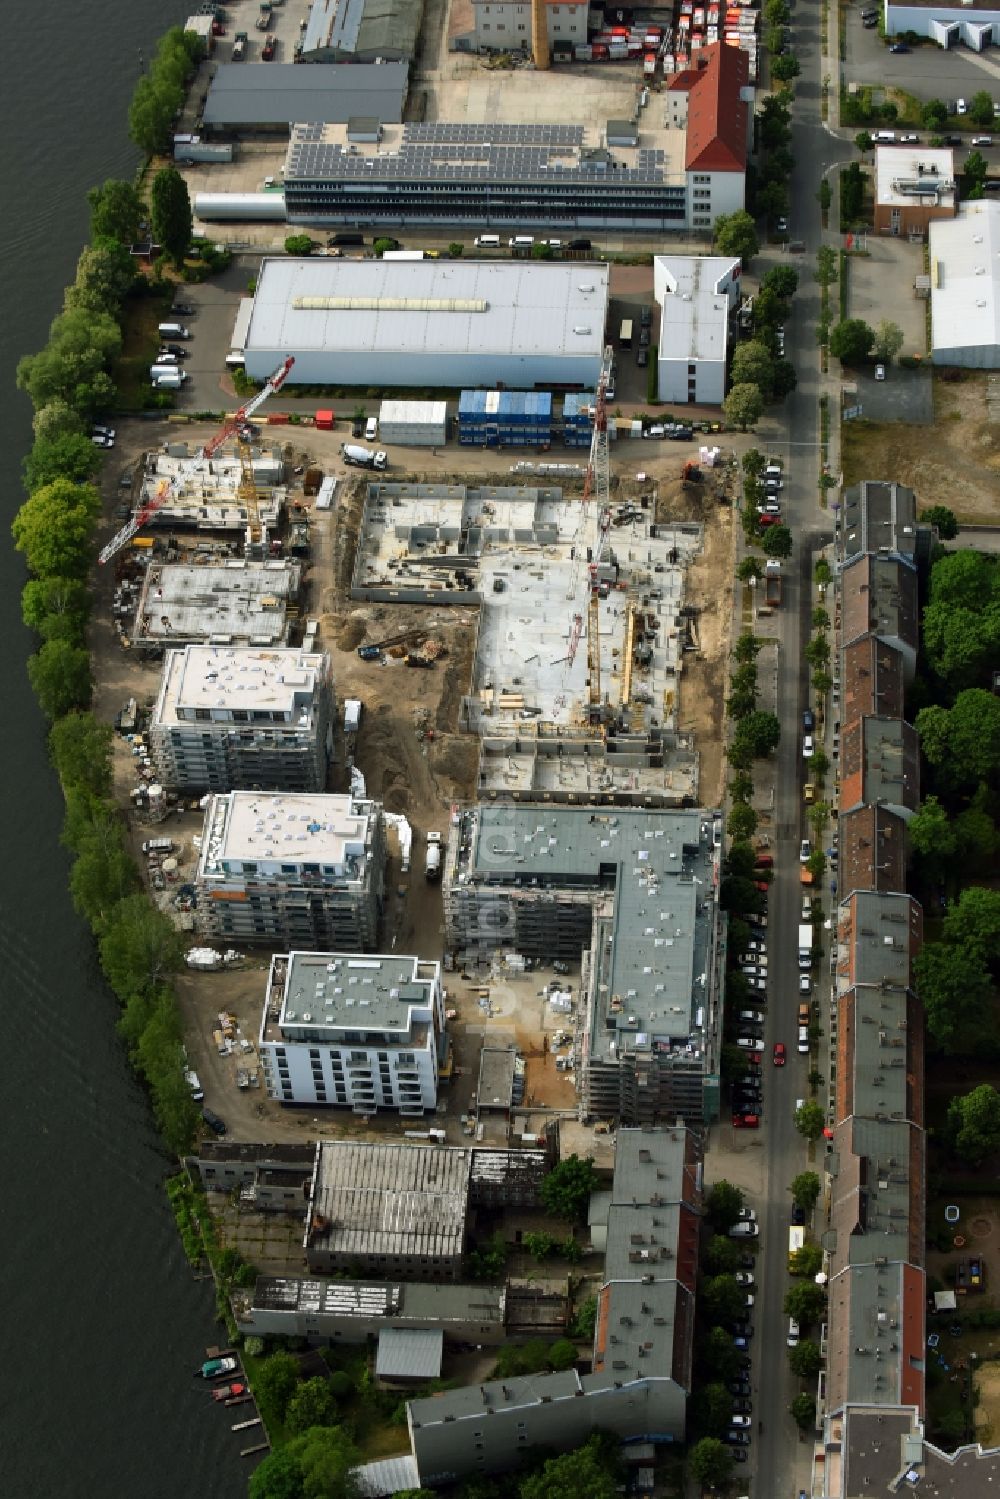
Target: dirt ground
point(955, 462)
point(709, 589)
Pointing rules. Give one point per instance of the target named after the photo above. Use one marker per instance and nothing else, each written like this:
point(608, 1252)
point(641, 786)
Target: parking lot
point(927, 71)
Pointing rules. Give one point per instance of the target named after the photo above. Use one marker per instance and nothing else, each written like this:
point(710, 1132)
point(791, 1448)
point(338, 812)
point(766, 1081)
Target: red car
point(779, 1053)
point(746, 1121)
point(769, 520)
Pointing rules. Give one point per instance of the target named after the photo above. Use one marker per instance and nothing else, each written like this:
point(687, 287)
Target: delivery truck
point(432, 862)
point(805, 945)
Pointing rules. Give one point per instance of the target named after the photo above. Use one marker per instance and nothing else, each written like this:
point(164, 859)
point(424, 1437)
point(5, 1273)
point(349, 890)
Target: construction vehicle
point(374, 651)
point(691, 473)
point(432, 860)
point(772, 583)
point(121, 538)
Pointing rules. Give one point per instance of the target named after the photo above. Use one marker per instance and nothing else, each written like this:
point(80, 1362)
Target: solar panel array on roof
point(454, 161)
point(511, 135)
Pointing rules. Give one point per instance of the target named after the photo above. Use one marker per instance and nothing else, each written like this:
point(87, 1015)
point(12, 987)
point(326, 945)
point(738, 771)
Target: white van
point(793, 1333)
point(371, 429)
point(173, 330)
point(487, 241)
point(521, 242)
point(884, 137)
point(158, 370)
point(172, 381)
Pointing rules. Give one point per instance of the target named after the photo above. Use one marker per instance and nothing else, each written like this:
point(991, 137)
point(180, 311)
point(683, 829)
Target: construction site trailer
point(414, 424)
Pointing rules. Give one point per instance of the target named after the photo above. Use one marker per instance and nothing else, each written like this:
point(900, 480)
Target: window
point(240, 715)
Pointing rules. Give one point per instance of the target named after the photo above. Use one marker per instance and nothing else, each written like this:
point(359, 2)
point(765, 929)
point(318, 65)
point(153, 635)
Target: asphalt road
point(779, 1459)
point(927, 72)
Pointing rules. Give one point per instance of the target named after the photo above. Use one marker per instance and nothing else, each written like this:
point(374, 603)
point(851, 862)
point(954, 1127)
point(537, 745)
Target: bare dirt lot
point(954, 462)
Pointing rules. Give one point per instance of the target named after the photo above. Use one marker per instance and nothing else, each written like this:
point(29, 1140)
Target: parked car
point(744, 1231)
point(739, 1387)
point(742, 1406)
point(183, 309)
point(743, 1278)
point(808, 746)
point(900, 47)
point(880, 372)
point(808, 721)
point(982, 140)
point(756, 1017)
point(910, 140)
point(961, 107)
point(798, 1215)
point(805, 984)
point(778, 1055)
point(745, 1121)
point(748, 1215)
point(750, 1043)
point(737, 1438)
point(217, 1125)
point(642, 358)
point(739, 1422)
point(781, 224)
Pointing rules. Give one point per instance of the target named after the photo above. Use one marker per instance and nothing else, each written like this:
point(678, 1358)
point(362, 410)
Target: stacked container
point(505, 418)
point(577, 420)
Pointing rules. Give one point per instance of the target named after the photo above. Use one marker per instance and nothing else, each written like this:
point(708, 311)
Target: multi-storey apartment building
point(634, 893)
point(230, 717)
point(303, 870)
point(357, 1032)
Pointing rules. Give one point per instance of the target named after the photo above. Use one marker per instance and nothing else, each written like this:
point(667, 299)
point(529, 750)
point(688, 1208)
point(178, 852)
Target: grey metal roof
point(316, 93)
point(879, 516)
point(428, 1302)
point(390, 1199)
point(409, 1353)
point(389, 28)
point(387, 1476)
point(884, 932)
point(379, 991)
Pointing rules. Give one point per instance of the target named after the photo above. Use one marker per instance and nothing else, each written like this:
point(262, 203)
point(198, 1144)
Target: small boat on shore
point(215, 1368)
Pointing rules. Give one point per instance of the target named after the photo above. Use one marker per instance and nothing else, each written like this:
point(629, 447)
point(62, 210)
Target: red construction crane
point(239, 418)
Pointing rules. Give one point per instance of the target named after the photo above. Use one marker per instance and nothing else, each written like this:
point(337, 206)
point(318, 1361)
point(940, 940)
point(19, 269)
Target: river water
point(102, 1320)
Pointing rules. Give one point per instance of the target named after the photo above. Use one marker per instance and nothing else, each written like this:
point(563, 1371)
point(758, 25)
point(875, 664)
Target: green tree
point(741, 787)
point(80, 747)
point(816, 862)
point(710, 1463)
point(278, 1476)
point(105, 274)
point(141, 948)
point(721, 1255)
point(963, 742)
point(955, 992)
point(981, 109)
point(57, 419)
point(586, 1319)
point(762, 732)
point(722, 1299)
point(562, 1354)
point(540, 1246)
point(888, 340)
point(72, 366)
point(116, 212)
point(71, 456)
point(60, 677)
point(743, 406)
point(807, 1261)
point(313, 1403)
point(806, 1302)
point(723, 1205)
point(977, 838)
point(752, 364)
point(713, 1409)
point(934, 115)
point(803, 1411)
point(851, 340)
point(102, 875)
point(590, 1470)
point(974, 1124)
point(736, 234)
point(782, 280)
point(567, 1188)
point(863, 141)
point(942, 519)
point(748, 568)
point(932, 837)
point(810, 1119)
point(785, 68)
point(276, 1382)
point(973, 923)
point(805, 1189)
point(754, 461)
point(742, 821)
point(961, 623)
point(299, 244)
point(824, 195)
point(53, 528)
point(171, 213)
point(784, 379)
point(56, 608)
point(805, 1359)
point(772, 197)
point(319, 1462)
point(777, 541)
point(747, 647)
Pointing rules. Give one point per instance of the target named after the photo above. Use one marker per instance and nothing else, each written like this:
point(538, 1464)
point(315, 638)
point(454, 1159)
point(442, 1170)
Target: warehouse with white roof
point(965, 287)
point(443, 323)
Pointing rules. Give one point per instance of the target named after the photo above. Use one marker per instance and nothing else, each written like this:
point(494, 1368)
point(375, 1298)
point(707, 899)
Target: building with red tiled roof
point(712, 100)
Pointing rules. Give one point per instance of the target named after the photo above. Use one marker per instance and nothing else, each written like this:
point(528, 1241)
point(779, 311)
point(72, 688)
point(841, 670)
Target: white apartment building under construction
point(230, 717)
point(303, 870)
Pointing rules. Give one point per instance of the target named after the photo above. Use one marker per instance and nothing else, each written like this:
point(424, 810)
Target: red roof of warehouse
point(717, 116)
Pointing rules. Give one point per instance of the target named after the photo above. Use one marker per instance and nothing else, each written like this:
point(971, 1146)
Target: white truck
point(432, 862)
point(359, 457)
point(805, 945)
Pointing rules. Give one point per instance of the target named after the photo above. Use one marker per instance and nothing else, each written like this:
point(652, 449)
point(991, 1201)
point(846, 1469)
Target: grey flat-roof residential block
point(230, 603)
